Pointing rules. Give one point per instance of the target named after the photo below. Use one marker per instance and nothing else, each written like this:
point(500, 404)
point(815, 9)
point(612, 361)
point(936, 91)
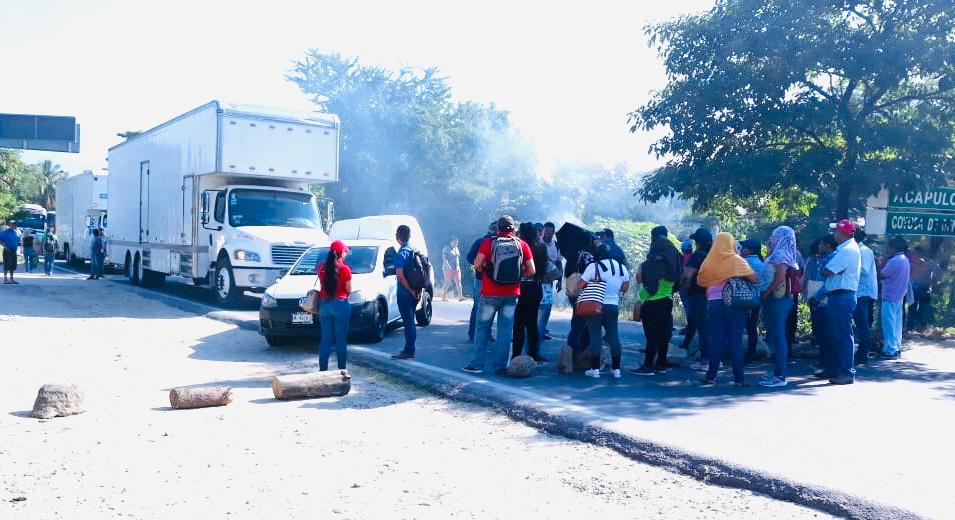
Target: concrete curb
point(580, 424)
point(575, 423)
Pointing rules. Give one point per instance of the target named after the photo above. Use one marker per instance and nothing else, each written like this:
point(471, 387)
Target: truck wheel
point(277, 341)
point(380, 328)
point(153, 279)
point(133, 272)
point(423, 315)
point(227, 295)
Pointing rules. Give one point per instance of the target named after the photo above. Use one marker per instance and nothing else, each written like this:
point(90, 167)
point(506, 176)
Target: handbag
point(311, 302)
point(590, 301)
point(740, 294)
point(570, 285)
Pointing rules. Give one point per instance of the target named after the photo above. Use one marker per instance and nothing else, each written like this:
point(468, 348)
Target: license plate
point(303, 318)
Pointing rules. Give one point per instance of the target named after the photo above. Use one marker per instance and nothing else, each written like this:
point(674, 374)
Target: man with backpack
point(413, 272)
point(49, 251)
point(503, 260)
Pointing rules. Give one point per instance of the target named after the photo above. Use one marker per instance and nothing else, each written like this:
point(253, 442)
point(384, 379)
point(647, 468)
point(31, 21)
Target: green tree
point(828, 97)
point(407, 148)
point(11, 170)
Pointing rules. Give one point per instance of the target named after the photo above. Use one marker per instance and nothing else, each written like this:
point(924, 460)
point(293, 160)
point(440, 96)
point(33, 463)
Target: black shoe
point(500, 371)
point(822, 374)
point(472, 370)
point(842, 380)
point(547, 337)
point(90, 277)
point(403, 355)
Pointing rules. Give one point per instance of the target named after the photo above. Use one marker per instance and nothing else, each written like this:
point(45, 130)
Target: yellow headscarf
point(722, 262)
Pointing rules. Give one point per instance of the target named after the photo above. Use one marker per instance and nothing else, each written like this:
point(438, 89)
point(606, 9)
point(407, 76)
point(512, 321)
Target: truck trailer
point(221, 195)
point(81, 203)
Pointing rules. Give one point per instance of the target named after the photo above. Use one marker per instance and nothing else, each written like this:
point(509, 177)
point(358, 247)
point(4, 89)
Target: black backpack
point(418, 272)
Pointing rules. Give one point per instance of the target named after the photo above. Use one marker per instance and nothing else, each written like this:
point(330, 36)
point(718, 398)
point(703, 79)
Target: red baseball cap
point(339, 247)
point(845, 225)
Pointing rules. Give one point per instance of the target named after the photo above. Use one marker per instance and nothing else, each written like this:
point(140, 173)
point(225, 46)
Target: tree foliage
point(827, 97)
point(406, 147)
point(21, 183)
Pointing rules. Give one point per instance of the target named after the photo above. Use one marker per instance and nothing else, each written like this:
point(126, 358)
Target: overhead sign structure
point(919, 212)
point(33, 132)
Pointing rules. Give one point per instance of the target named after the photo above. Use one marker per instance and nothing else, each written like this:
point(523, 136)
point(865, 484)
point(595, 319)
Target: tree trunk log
point(315, 384)
point(202, 397)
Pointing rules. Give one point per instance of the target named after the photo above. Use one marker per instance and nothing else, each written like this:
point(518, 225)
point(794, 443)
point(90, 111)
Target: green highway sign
point(938, 198)
point(927, 224)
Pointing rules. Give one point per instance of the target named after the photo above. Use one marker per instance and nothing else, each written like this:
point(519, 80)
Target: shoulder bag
point(311, 302)
point(590, 301)
point(740, 294)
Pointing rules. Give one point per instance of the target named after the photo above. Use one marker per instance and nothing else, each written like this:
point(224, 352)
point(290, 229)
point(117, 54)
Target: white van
point(373, 299)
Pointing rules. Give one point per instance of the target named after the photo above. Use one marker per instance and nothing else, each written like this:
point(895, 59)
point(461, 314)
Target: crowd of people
point(12, 239)
point(728, 288)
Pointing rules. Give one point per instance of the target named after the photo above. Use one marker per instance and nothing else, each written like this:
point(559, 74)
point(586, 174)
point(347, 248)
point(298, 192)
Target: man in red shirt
point(503, 260)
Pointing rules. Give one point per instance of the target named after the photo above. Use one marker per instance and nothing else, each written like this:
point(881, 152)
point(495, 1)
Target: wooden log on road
point(200, 397)
point(330, 383)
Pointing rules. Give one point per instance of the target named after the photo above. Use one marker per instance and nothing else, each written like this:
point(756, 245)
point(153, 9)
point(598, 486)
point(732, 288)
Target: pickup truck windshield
point(273, 208)
point(361, 259)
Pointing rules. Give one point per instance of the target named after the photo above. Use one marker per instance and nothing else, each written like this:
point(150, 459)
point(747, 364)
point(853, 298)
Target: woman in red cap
point(334, 314)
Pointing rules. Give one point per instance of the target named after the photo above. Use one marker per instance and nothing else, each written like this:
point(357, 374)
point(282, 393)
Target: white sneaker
point(616, 373)
point(593, 372)
point(774, 382)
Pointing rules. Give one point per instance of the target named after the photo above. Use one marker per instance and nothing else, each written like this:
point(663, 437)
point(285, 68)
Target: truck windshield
point(361, 259)
point(273, 208)
point(29, 220)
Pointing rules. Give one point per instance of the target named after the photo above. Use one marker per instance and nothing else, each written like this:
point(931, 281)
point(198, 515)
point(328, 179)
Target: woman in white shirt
point(617, 282)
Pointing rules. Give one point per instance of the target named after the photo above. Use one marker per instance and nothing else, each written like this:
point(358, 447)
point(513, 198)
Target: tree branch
point(938, 94)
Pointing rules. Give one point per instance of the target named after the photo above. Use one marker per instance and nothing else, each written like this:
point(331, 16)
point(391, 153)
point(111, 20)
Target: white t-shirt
point(614, 281)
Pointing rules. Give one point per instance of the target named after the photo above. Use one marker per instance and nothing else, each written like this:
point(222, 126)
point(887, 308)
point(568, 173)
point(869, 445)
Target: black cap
point(752, 244)
point(702, 235)
point(659, 231)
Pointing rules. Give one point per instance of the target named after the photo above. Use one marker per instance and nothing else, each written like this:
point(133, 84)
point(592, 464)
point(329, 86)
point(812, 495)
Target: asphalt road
point(879, 440)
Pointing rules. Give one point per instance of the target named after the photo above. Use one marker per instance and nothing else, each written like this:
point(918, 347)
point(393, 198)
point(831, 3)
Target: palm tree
point(50, 175)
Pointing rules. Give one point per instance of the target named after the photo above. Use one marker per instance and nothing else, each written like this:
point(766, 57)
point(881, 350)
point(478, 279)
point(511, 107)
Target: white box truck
point(81, 203)
point(221, 195)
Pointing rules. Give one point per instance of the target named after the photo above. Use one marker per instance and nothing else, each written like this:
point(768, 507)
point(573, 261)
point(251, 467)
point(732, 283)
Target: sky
point(568, 72)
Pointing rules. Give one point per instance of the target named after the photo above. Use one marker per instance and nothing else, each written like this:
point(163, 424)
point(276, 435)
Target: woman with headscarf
point(777, 298)
point(725, 324)
point(660, 275)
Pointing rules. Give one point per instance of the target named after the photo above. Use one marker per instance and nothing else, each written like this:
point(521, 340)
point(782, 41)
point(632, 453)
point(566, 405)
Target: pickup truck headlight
point(269, 301)
point(246, 255)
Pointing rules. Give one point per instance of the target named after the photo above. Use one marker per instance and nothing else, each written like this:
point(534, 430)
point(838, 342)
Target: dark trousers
point(578, 338)
point(920, 312)
point(525, 320)
point(696, 323)
point(863, 327)
point(840, 343)
point(792, 325)
point(817, 316)
point(657, 318)
point(609, 322)
point(725, 325)
point(406, 306)
point(752, 334)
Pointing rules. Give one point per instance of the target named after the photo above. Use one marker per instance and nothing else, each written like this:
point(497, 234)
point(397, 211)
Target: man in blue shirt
point(865, 299)
point(472, 255)
point(10, 241)
point(616, 253)
point(407, 296)
point(842, 282)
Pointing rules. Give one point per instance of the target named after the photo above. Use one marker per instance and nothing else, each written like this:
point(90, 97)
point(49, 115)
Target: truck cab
point(258, 232)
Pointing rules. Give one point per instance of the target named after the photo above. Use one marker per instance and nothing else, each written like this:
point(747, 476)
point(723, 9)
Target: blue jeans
point(840, 344)
point(334, 317)
point(543, 318)
point(609, 321)
point(863, 326)
point(696, 319)
point(28, 258)
point(891, 316)
point(503, 307)
point(775, 316)
point(48, 263)
point(474, 308)
point(725, 326)
point(406, 306)
point(96, 265)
